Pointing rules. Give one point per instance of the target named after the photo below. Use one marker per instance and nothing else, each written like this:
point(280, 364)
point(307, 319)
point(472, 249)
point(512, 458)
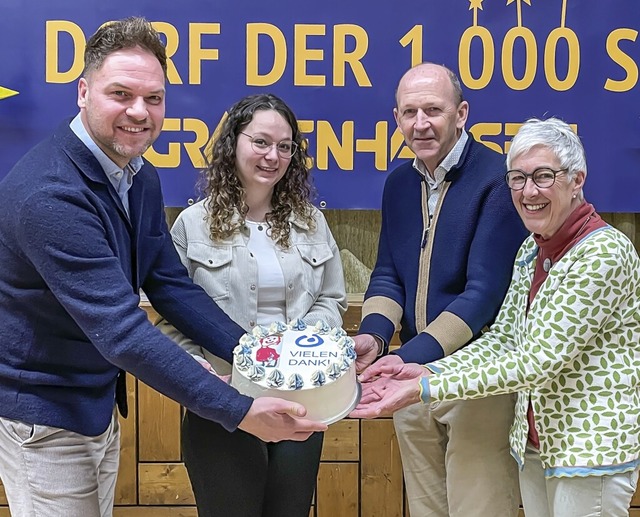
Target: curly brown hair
point(226, 195)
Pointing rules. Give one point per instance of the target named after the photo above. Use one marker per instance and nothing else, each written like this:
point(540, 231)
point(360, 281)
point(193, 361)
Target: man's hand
point(272, 420)
point(380, 366)
point(366, 346)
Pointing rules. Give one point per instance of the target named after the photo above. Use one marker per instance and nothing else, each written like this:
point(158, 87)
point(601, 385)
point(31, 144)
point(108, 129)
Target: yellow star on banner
point(475, 4)
point(6, 92)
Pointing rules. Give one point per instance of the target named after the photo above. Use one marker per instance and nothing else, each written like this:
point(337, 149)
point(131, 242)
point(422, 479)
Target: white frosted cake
point(311, 365)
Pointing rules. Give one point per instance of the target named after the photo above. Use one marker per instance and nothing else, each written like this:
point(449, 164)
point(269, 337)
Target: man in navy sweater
point(82, 229)
point(447, 244)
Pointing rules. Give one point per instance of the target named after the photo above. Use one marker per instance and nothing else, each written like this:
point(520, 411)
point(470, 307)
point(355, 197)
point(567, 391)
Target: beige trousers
point(51, 472)
point(591, 496)
point(456, 459)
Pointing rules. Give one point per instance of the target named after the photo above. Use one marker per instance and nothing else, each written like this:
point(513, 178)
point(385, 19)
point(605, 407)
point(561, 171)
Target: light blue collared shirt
point(121, 179)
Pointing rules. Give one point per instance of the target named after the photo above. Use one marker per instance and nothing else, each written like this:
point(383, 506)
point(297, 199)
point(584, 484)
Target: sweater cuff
point(380, 326)
point(421, 349)
point(425, 394)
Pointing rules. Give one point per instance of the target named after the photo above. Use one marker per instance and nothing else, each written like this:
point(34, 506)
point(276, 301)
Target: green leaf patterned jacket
point(575, 355)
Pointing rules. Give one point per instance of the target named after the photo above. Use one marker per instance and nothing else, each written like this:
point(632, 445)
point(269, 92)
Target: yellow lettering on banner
point(173, 40)
point(482, 129)
point(326, 140)
point(341, 57)
point(397, 139)
point(531, 57)
point(306, 126)
point(194, 149)
point(377, 146)
point(510, 129)
point(302, 54)
point(623, 60)
point(171, 159)
point(197, 54)
point(254, 31)
point(464, 57)
point(53, 29)
point(414, 38)
point(573, 46)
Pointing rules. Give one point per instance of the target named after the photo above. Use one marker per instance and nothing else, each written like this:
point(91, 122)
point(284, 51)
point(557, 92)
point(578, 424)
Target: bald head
point(432, 73)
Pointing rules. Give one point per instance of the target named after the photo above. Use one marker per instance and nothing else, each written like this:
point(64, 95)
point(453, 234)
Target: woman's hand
point(396, 386)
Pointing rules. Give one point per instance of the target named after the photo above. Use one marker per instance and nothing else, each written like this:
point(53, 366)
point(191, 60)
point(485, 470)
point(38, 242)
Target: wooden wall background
point(360, 473)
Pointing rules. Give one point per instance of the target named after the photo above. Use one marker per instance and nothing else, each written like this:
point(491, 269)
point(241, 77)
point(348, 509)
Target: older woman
point(264, 253)
point(567, 340)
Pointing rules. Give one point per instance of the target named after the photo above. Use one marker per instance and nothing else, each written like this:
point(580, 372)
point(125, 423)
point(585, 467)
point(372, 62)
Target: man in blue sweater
point(82, 229)
point(447, 244)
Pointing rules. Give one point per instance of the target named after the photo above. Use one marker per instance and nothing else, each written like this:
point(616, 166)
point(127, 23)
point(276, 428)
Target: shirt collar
point(445, 166)
point(107, 164)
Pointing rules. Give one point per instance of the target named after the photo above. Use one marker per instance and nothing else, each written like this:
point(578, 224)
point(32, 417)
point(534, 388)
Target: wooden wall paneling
point(159, 426)
point(381, 482)
point(342, 441)
point(127, 484)
point(164, 484)
point(3, 497)
point(337, 493)
point(4, 512)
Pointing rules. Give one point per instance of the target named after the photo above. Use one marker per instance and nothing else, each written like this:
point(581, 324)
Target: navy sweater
point(72, 265)
point(466, 258)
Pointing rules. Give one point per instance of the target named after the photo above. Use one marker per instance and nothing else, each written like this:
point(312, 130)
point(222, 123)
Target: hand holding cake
point(272, 420)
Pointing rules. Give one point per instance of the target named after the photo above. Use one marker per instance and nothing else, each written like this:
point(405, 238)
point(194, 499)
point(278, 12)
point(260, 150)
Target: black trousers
point(238, 475)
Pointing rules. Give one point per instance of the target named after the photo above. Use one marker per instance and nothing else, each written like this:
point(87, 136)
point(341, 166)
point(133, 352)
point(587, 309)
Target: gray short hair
point(554, 134)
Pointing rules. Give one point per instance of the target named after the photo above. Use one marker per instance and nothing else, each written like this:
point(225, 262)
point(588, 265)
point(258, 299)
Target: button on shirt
point(120, 179)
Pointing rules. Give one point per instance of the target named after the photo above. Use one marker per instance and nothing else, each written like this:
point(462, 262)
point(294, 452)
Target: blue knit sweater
point(72, 264)
point(442, 287)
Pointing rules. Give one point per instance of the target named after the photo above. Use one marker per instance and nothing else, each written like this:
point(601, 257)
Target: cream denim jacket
point(228, 272)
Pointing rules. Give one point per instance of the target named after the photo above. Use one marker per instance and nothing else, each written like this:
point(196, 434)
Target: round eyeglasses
point(542, 177)
point(260, 145)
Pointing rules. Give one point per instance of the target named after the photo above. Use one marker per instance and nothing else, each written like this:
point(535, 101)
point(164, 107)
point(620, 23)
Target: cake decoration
point(276, 379)
point(313, 364)
point(296, 382)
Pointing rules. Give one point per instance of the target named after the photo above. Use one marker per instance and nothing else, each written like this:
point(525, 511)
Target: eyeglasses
point(285, 148)
point(542, 177)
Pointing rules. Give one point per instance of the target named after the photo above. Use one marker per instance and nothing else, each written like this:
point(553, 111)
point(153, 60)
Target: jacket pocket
point(314, 258)
point(209, 268)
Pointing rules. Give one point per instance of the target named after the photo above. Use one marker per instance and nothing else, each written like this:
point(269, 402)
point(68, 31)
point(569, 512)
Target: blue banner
point(337, 63)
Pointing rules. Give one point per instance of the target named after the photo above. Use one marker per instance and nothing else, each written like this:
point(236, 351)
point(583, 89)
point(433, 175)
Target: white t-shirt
point(271, 288)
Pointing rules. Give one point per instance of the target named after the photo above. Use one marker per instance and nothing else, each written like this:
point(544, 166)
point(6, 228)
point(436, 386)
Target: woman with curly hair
point(264, 253)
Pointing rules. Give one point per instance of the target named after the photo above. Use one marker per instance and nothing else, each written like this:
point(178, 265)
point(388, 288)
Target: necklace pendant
point(546, 265)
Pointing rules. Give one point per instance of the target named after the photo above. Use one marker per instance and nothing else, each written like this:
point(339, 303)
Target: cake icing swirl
point(295, 382)
point(256, 373)
point(275, 379)
point(318, 378)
